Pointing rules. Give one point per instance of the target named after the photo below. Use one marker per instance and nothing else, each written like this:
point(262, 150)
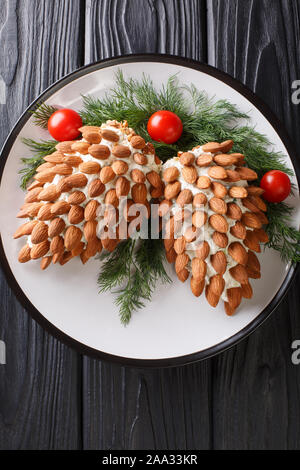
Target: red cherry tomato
point(64, 124)
point(165, 126)
point(277, 186)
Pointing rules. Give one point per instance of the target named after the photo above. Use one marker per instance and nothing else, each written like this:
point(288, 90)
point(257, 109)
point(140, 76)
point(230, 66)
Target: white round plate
point(175, 328)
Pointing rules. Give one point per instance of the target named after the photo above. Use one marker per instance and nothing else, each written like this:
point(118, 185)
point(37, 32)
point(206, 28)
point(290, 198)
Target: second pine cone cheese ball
point(62, 204)
point(223, 203)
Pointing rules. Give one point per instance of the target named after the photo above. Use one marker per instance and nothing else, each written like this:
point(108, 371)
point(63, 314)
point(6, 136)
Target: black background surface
point(50, 396)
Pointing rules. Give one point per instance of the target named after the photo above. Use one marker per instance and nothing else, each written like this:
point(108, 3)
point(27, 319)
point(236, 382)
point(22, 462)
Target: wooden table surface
point(50, 396)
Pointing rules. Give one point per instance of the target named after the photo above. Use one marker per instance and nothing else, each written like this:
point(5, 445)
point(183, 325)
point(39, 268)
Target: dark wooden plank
point(130, 408)
point(40, 400)
point(256, 388)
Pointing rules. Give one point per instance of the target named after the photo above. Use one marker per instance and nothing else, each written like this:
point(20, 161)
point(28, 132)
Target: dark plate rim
point(134, 362)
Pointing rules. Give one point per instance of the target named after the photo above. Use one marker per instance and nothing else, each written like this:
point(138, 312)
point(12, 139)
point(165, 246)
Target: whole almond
point(261, 216)
point(139, 193)
point(81, 147)
point(202, 250)
point(234, 211)
point(199, 218)
point(121, 151)
point(258, 202)
point(189, 174)
point(238, 230)
point(203, 182)
point(232, 176)
point(164, 207)
point(72, 160)
point(65, 147)
point(33, 208)
point(111, 198)
point(56, 227)
point(140, 158)
point(122, 186)
point(25, 229)
point(211, 147)
point(157, 193)
point(181, 262)
point(247, 291)
point(238, 253)
point(60, 207)
point(56, 157)
point(92, 136)
point(217, 172)
point(137, 142)
point(191, 234)
point(199, 200)
point(65, 257)
point(255, 191)
point(57, 245)
point(217, 284)
point(45, 262)
point(57, 258)
point(179, 245)
point(251, 241)
point(90, 210)
point(89, 230)
point(107, 174)
point(46, 176)
point(218, 223)
point(101, 152)
point(262, 236)
point(137, 176)
point(249, 205)
point(197, 286)
point(211, 297)
point(154, 179)
point(76, 215)
point(77, 197)
point(239, 273)
point(234, 296)
point(185, 197)
point(183, 275)
point(96, 188)
point(24, 254)
point(78, 249)
point(39, 233)
point(223, 159)
point(253, 262)
point(218, 205)
point(89, 167)
point(45, 166)
point(37, 251)
point(89, 128)
point(171, 174)
point(219, 189)
point(219, 262)
point(220, 239)
point(199, 269)
point(204, 160)
point(33, 185)
point(32, 196)
point(77, 180)
point(251, 220)
point(238, 192)
point(172, 190)
point(44, 212)
point(187, 158)
point(247, 174)
point(107, 134)
point(72, 237)
point(62, 169)
point(120, 168)
point(226, 146)
point(51, 193)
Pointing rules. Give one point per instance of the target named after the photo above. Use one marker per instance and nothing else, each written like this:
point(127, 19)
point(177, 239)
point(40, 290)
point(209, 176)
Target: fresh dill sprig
point(42, 113)
point(283, 237)
point(134, 267)
point(40, 150)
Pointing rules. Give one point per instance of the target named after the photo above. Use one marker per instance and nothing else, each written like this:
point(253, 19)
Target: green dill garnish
point(41, 114)
point(133, 268)
point(40, 150)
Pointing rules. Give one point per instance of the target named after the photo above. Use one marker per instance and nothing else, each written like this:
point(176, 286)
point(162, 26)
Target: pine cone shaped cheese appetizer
point(214, 222)
point(68, 204)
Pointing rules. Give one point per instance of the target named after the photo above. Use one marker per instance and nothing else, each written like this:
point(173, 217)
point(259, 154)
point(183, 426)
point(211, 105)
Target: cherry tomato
point(277, 186)
point(165, 126)
point(64, 124)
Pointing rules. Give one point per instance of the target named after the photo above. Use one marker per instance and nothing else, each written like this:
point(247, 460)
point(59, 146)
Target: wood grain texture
point(40, 399)
point(115, 27)
point(256, 388)
point(130, 408)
